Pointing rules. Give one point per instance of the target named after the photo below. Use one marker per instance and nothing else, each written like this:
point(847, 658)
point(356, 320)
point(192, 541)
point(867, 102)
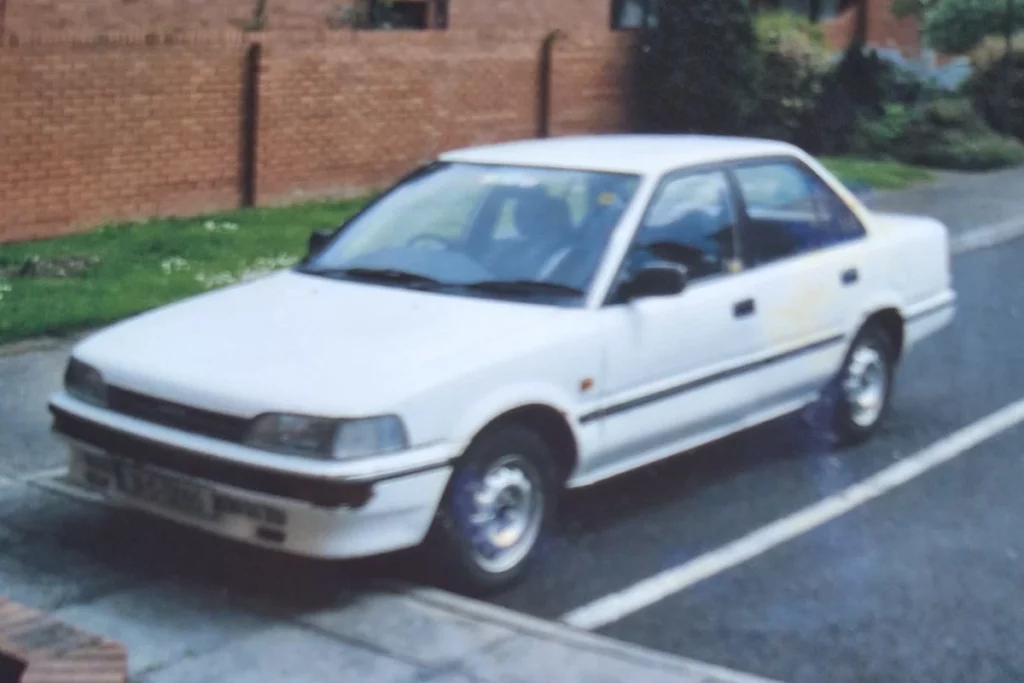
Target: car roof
point(633, 154)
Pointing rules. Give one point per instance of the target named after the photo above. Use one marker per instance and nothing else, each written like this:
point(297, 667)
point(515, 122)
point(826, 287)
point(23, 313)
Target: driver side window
point(691, 221)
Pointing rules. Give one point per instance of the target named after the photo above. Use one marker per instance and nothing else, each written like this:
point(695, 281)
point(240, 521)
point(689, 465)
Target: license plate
point(166, 491)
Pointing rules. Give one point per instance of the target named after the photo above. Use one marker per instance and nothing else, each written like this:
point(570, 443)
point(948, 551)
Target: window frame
point(724, 167)
point(744, 220)
point(648, 19)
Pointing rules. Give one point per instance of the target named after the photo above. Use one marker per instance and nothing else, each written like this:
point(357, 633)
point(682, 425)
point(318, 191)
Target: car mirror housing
point(656, 279)
point(318, 239)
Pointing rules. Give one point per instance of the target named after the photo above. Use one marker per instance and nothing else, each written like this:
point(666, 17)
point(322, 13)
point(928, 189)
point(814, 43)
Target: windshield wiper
point(524, 287)
point(392, 275)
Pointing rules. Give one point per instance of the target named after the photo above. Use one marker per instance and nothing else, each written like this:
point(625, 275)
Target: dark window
point(630, 14)
point(391, 14)
point(690, 221)
point(790, 210)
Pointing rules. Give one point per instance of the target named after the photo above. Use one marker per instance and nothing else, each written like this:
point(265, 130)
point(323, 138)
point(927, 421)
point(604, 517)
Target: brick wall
point(91, 133)
point(32, 16)
point(590, 83)
point(358, 108)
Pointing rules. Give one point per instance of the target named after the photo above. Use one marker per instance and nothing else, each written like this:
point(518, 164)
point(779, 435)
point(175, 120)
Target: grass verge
point(87, 280)
point(879, 175)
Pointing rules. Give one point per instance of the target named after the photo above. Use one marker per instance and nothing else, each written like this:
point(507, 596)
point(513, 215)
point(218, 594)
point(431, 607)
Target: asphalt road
point(923, 584)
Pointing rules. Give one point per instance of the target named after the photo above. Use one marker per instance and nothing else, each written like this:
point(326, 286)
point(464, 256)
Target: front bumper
point(308, 509)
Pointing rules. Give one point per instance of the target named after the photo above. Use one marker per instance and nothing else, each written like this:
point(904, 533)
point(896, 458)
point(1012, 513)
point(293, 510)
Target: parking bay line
point(618, 605)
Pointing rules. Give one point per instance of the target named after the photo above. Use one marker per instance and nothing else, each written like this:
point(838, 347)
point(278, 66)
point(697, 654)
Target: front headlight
point(85, 383)
point(325, 438)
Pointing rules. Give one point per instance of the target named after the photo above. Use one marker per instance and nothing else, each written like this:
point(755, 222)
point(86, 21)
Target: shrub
point(697, 71)
point(987, 84)
point(794, 61)
point(956, 26)
point(946, 133)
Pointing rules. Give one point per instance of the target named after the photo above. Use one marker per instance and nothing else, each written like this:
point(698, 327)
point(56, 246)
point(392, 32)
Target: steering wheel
point(681, 253)
point(443, 242)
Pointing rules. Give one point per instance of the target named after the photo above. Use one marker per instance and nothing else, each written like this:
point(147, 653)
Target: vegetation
point(998, 91)
point(703, 82)
point(793, 64)
point(957, 26)
point(116, 271)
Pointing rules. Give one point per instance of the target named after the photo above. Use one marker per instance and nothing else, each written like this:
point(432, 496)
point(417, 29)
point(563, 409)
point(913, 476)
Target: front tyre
point(497, 505)
point(864, 386)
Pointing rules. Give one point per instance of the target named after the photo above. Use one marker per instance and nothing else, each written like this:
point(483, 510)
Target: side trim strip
point(931, 310)
point(715, 377)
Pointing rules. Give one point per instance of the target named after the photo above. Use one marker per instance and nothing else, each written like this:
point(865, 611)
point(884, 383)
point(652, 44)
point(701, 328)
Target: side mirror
point(657, 279)
point(318, 239)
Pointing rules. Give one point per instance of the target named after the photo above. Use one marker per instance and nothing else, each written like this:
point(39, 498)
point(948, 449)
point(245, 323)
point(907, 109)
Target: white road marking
point(611, 608)
point(987, 236)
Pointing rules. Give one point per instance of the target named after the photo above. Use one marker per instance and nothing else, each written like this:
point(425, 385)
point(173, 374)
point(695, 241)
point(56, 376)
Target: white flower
point(174, 265)
point(215, 280)
point(226, 226)
point(4, 288)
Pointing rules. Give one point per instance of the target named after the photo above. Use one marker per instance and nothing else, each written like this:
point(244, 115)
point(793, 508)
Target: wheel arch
point(551, 424)
point(892, 322)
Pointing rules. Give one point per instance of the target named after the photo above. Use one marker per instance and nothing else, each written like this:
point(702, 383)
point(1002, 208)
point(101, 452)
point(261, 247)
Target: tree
point(696, 70)
point(958, 26)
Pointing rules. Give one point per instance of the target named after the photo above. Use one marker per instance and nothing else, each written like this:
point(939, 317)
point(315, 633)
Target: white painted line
point(647, 592)
point(987, 236)
point(642, 659)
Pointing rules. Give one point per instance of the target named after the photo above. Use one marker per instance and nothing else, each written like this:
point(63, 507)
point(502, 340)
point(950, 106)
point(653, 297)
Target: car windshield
point(492, 230)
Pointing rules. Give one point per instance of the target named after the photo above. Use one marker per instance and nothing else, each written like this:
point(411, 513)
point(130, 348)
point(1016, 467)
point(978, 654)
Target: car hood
point(298, 343)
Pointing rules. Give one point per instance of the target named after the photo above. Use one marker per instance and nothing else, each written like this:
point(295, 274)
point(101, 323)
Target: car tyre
point(496, 508)
point(862, 390)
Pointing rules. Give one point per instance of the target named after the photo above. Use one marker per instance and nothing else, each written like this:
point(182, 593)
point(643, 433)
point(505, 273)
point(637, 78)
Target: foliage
point(946, 133)
point(794, 61)
point(957, 26)
point(880, 174)
point(697, 71)
point(987, 85)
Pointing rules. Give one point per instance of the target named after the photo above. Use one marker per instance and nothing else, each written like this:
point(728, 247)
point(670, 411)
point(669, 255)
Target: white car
point(504, 323)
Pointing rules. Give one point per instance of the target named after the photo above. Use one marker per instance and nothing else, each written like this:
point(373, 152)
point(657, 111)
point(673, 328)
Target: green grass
point(144, 265)
point(880, 175)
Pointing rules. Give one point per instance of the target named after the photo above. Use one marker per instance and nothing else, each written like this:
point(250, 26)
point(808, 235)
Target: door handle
point(849, 276)
point(743, 308)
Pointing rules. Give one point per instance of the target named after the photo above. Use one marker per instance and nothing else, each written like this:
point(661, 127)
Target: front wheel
point(496, 507)
point(864, 386)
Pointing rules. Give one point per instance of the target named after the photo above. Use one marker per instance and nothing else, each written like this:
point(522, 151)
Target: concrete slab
point(164, 623)
point(288, 652)
point(420, 632)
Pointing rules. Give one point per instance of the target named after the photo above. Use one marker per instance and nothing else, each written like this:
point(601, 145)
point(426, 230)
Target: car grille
point(320, 492)
point(194, 420)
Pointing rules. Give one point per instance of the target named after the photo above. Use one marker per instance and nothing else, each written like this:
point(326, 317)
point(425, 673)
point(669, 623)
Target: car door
point(670, 361)
point(803, 250)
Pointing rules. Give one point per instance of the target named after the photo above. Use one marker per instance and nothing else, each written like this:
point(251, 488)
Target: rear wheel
point(496, 507)
point(864, 386)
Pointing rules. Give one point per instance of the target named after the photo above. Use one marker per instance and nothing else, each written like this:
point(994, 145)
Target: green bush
point(946, 133)
point(697, 71)
point(987, 84)
point(956, 26)
point(794, 61)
